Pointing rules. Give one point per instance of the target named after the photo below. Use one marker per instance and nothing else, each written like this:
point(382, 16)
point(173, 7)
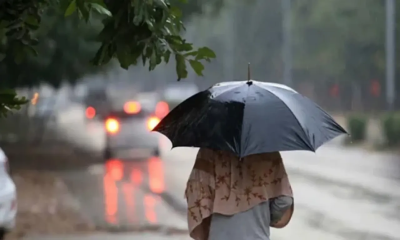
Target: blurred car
point(96, 103)
point(152, 103)
point(8, 198)
point(129, 130)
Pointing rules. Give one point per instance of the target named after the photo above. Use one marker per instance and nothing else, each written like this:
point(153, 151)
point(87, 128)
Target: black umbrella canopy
point(249, 117)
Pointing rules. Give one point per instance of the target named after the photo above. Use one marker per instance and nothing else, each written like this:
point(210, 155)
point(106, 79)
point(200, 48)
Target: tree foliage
point(147, 31)
point(64, 51)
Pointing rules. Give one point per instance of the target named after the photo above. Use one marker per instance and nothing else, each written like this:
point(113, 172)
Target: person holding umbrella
point(236, 200)
point(238, 186)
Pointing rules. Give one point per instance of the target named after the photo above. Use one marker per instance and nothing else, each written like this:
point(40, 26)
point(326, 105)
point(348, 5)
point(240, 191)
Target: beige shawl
point(220, 183)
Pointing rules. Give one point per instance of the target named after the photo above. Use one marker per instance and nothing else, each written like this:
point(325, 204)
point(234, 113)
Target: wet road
point(124, 195)
point(339, 193)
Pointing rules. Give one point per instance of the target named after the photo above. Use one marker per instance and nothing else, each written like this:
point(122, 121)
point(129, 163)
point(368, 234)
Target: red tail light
point(162, 109)
point(132, 107)
point(112, 125)
point(90, 112)
point(152, 123)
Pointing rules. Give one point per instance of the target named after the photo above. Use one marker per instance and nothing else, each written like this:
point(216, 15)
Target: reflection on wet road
point(125, 180)
point(122, 193)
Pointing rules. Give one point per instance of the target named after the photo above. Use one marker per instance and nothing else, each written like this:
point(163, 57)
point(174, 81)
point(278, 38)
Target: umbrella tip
point(248, 72)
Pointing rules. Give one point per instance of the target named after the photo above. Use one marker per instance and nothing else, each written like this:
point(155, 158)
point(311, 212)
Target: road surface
point(340, 193)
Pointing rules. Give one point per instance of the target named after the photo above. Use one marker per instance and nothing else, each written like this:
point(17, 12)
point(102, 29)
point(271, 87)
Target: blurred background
point(83, 159)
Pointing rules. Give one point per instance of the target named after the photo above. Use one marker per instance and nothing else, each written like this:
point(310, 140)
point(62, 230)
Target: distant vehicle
point(97, 103)
point(8, 198)
point(150, 101)
point(129, 129)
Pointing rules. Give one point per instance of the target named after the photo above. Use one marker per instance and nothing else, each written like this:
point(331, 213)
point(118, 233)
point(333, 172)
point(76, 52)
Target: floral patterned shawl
point(220, 183)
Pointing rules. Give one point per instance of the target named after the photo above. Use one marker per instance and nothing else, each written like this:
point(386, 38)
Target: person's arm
point(279, 208)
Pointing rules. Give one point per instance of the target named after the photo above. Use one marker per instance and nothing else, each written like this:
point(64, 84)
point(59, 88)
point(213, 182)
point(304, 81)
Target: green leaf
point(176, 11)
point(100, 9)
point(205, 53)
point(174, 40)
point(71, 8)
point(197, 66)
point(153, 61)
point(107, 33)
point(144, 60)
point(83, 9)
point(150, 25)
point(167, 55)
point(2, 56)
point(29, 50)
point(102, 55)
point(123, 57)
point(32, 27)
point(181, 66)
point(14, 25)
point(148, 52)
point(192, 53)
point(32, 21)
point(135, 53)
point(185, 47)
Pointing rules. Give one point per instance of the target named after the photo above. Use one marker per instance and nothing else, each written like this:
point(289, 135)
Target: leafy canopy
point(133, 30)
point(65, 49)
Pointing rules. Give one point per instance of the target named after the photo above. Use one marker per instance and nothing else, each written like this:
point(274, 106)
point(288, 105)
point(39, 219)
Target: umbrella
point(249, 117)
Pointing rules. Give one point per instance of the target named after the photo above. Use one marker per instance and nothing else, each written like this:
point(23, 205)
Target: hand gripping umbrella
point(249, 117)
